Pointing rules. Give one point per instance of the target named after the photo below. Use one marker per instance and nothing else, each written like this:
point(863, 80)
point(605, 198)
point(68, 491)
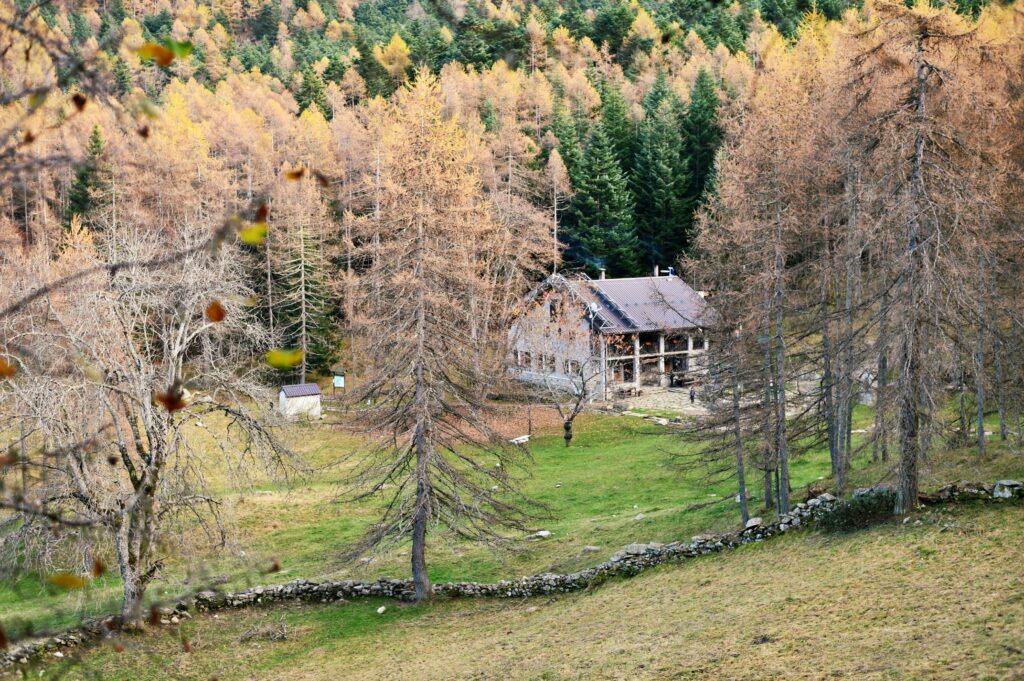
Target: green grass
point(936, 598)
point(616, 469)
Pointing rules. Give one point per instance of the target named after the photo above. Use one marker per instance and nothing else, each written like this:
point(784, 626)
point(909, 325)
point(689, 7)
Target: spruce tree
point(617, 124)
point(656, 94)
point(312, 92)
point(702, 136)
point(659, 184)
point(303, 305)
point(122, 76)
point(604, 233)
point(90, 179)
point(563, 127)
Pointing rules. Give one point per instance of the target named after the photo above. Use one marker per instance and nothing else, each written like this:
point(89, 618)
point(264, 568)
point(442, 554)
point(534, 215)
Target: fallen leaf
point(186, 645)
point(98, 568)
point(7, 370)
point(254, 235)
point(295, 174)
point(173, 399)
point(261, 213)
point(284, 359)
point(37, 99)
point(66, 580)
point(163, 56)
point(79, 100)
point(215, 311)
point(29, 137)
point(118, 647)
point(8, 459)
point(322, 179)
point(143, 132)
point(154, 616)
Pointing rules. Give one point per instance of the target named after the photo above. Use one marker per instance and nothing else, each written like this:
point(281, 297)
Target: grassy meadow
point(617, 470)
point(939, 597)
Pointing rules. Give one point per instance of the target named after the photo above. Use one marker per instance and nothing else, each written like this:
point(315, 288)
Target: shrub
point(860, 512)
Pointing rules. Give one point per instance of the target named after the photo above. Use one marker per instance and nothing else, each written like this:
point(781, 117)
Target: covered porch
point(652, 358)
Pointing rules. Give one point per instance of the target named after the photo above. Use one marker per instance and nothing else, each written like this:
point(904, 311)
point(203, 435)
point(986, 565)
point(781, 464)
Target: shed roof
point(301, 390)
point(643, 303)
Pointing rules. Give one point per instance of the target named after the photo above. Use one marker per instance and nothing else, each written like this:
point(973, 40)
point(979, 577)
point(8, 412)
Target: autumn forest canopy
point(200, 201)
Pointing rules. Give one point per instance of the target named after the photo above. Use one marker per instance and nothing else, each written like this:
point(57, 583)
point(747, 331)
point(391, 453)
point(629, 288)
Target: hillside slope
point(943, 599)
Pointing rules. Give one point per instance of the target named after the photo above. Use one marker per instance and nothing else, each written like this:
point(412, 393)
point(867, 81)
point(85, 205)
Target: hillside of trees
point(201, 201)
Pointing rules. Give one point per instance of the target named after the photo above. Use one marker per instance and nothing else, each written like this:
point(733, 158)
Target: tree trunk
point(738, 436)
point(1000, 389)
point(979, 383)
point(780, 376)
point(827, 378)
point(910, 351)
point(133, 587)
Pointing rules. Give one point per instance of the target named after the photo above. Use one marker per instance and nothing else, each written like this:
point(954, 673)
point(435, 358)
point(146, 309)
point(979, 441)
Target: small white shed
point(302, 399)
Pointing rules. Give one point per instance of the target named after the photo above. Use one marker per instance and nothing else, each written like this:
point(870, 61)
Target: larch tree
point(443, 464)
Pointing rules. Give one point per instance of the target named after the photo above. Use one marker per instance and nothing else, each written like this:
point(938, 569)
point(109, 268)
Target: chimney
point(657, 270)
point(671, 271)
point(602, 274)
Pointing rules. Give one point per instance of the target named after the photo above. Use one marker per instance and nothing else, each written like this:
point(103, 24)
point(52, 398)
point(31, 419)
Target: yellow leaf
point(284, 359)
point(66, 580)
point(255, 234)
point(36, 99)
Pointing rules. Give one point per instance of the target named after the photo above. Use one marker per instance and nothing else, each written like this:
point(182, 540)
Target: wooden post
point(661, 357)
point(636, 362)
point(604, 368)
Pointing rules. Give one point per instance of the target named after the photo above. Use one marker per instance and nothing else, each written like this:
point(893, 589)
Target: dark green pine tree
point(563, 127)
point(312, 92)
point(603, 230)
point(656, 94)
point(659, 183)
point(302, 309)
point(702, 135)
point(617, 124)
point(378, 80)
point(264, 24)
point(122, 76)
point(91, 179)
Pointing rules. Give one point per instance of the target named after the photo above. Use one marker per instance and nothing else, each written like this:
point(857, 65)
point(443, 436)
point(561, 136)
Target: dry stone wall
point(629, 561)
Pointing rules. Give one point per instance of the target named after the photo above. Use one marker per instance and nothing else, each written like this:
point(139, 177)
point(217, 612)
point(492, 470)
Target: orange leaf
point(7, 370)
point(172, 400)
point(295, 174)
point(261, 213)
point(158, 53)
point(66, 580)
point(215, 311)
point(98, 568)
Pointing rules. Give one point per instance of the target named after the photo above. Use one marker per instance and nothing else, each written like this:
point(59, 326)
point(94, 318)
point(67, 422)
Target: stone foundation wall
point(629, 561)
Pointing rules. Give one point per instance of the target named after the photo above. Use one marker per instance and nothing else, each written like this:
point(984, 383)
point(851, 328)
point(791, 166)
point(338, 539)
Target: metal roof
point(643, 303)
point(301, 390)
